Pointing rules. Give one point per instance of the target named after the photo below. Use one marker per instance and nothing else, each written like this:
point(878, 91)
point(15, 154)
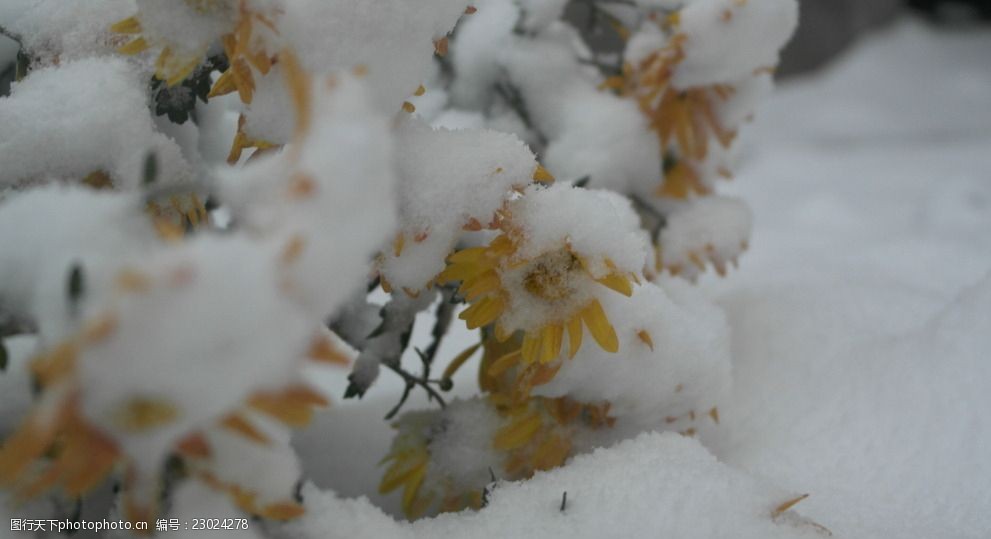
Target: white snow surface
point(860, 322)
point(610, 493)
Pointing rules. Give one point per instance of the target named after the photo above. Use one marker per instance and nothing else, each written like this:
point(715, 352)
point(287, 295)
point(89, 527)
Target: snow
point(332, 35)
point(88, 115)
point(57, 31)
point(475, 53)
point(440, 197)
point(332, 193)
point(155, 343)
point(713, 228)
point(726, 40)
point(61, 220)
point(666, 485)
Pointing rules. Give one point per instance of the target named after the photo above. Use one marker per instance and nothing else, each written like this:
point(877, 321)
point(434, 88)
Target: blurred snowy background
point(861, 319)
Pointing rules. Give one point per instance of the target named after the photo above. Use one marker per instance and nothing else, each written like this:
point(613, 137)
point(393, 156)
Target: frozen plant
point(199, 198)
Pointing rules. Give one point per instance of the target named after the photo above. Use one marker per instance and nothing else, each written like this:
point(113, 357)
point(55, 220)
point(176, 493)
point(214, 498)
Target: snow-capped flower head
point(685, 120)
point(683, 71)
point(560, 248)
point(183, 32)
point(445, 460)
point(409, 459)
point(139, 378)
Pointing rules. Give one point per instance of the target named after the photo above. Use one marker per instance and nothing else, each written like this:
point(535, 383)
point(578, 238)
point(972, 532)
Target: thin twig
point(411, 382)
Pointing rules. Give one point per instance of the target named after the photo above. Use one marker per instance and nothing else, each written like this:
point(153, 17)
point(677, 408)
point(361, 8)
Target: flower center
point(549, 276)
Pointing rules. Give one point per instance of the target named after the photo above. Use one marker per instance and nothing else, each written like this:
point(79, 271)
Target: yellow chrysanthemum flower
point(410, 465)
point(500, 286)
point(525, 437)
point(684, 119)
point(538, 434)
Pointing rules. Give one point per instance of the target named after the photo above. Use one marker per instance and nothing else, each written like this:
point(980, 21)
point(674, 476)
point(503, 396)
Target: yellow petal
point(412, 489)
point(323, 350)
point(300, 89)
point(183, 72)
point(470, 255)
point(598, 324)
point(238, 424)
point(787, 504)
point(400, 471)
point(261, 61)
point(574, 335)
point(141, 414)
point(224, 85)
point(646, 338)
point(618, 283)
point(550, 348)
point(531, 346)
point(551, 453)
point(545, 373)
point(244, 81)
point(479, 285)
point(134, 46)
point(541, 175)
point(282, 511)
point(500, 365)
point(518, 433)
point(130, 25)
point(460, 360)
point(483, 312)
